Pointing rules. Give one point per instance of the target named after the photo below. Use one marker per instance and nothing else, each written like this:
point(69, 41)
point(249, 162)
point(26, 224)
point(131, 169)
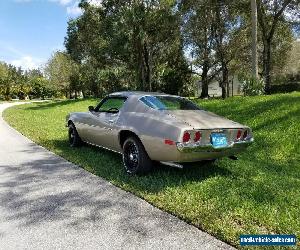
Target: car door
point(103, 130)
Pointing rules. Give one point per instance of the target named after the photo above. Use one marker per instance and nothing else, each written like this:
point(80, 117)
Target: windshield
point(169, 103)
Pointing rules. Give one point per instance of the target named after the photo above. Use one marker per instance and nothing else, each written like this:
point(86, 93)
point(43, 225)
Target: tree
point(132, 42)
point(137, 44)
point(293, 63)
point(40, 88)
point(254, 58)
point(4, 80)
point(213, 32)
point(199, 36)
point(9, 77)
point(270, 14)
point(59, 70)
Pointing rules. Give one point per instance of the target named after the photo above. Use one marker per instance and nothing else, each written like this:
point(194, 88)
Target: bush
point(285, 88)
point(252, 86)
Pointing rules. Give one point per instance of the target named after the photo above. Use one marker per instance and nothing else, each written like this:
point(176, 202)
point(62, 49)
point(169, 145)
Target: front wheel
point(135, 157)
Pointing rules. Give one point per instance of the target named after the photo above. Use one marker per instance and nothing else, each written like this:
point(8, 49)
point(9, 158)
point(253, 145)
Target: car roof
point(135, 93)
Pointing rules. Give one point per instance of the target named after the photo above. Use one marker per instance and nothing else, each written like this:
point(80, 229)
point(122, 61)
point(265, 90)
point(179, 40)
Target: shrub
point(285, 88)
point(252, 86)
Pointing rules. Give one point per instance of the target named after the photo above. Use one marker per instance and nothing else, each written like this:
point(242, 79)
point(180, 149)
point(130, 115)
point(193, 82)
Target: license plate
point(218, 140)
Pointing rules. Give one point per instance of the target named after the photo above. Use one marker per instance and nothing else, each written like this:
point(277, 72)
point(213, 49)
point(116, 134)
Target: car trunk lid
point(200, 119)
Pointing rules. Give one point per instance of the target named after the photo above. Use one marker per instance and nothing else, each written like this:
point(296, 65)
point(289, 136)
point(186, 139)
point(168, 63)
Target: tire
point(135, 158)
point(74, 138)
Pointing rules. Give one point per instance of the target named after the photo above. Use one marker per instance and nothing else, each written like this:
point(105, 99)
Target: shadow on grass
point(109, 165)
point(259, 193)
point(259, 184)
point(53, 104)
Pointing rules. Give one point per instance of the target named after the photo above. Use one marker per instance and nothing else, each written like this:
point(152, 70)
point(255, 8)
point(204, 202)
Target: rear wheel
point(135, 157)
point(74, 138)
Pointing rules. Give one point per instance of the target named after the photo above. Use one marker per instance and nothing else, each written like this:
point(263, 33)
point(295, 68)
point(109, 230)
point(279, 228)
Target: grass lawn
point(258, 194)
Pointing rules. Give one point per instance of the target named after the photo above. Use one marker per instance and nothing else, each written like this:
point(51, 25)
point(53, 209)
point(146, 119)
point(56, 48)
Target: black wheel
point(135, 157)
point(74, 138)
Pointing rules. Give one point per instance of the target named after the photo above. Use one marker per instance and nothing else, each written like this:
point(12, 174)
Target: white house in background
point(214, 89)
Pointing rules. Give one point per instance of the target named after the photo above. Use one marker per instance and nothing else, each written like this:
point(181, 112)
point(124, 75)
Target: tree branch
point(276, 17)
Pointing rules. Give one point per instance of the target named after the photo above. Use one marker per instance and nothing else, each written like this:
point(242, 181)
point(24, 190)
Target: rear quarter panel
point(153, 127)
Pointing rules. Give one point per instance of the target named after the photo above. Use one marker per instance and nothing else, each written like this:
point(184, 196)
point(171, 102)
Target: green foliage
point(218, 35)
point(16, 83)
point(273, 19)
point(135, 44)
point(41, 88)
point(292, 67)
point(252, 86)
point(285, 88)
point(144, 45)
point(257, 194)
point(288, 76)
point(62, 73)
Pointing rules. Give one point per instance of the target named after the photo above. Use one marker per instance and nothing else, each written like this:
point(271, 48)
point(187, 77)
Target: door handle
point(111, 121)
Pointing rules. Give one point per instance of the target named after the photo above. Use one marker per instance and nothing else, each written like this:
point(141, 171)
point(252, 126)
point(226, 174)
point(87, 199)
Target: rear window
point(169, 103)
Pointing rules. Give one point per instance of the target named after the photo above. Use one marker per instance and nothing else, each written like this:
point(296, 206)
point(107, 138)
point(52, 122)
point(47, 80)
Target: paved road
point(47, 202)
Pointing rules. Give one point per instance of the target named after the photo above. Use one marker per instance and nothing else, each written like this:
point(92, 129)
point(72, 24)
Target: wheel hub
point(131, 157)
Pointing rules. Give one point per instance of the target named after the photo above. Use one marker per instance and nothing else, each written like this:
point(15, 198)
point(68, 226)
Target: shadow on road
point(49, 189)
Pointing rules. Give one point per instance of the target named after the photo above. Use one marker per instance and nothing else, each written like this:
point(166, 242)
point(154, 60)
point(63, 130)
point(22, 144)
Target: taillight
point(197, 136)
point(245, 134)
point(186, 137)
point(239, 134)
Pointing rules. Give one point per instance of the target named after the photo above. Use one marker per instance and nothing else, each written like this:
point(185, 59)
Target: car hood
point(200, 119)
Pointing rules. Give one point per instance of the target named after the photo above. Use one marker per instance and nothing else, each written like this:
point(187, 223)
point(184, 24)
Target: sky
point(31, 30)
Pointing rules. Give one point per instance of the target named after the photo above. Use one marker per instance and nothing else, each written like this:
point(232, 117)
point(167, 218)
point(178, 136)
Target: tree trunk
point(204, 80)
point(223, 90)
point(254, 39)
point(7, 96)
point(225, 81)
point(141, 76)
point(140, 67)
point(268, 29)
point(228, 87)
point(147, 73)
point(139, 62)
point(267, 65)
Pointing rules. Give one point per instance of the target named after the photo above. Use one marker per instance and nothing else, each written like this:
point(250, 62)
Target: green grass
point(259, 193)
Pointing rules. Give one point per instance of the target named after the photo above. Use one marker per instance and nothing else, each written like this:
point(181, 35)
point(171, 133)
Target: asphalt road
point(47, 202)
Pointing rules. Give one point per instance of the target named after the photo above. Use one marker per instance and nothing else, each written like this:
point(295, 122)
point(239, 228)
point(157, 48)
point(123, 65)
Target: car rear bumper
point(190, 153)
point(178, 152)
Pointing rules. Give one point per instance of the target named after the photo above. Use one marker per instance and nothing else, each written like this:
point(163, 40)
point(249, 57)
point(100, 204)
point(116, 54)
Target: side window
point(112, 104)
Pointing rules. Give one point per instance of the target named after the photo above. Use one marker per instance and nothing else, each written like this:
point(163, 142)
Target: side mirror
point(91, 108)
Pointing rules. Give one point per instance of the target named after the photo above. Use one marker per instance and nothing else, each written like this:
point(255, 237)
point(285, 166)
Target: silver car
point(146, 127)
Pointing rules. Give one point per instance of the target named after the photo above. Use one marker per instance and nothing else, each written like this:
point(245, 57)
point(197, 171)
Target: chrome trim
point(172, 164)
point(92, 144)
point(187, 148)
point(218, 130)
point(160, 94)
